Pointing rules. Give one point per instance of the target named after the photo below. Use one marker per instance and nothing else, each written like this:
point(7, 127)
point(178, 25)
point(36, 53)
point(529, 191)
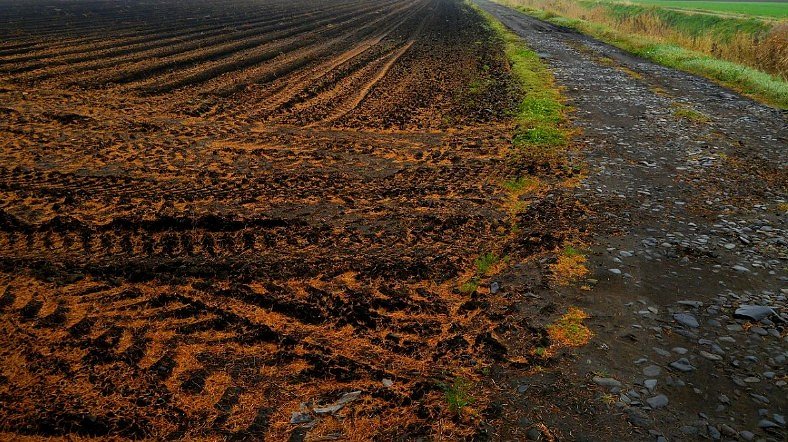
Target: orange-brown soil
point(217, 213)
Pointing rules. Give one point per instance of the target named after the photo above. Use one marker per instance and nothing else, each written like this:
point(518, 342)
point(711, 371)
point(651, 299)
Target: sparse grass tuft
point(689, 114)
point(486, 262)
point(458, 395)
point(469, 286)
point(569, 331)
point(541, 352)
point(521, 184)
point(570, 266)
point(608, 399)
point(572, 251)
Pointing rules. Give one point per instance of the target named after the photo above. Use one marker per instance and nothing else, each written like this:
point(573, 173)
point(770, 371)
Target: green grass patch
point(458, 394)
point(478, 86)
point(687, 23)
point(572, 251)
point(690, 114)
point(517, 185)
point(541, 114)
point(486, 262)
point(469, 287)
point(758, 9)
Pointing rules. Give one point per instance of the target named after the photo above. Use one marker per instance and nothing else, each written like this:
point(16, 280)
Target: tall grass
point(750, 56)
point(753, 42)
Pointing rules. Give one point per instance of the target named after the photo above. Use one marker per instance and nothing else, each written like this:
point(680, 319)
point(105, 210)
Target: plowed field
point(216, 214)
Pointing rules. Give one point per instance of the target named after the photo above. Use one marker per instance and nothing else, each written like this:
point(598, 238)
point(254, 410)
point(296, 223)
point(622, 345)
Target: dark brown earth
point(217, 216)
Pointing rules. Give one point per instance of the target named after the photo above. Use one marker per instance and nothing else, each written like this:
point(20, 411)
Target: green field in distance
point(761, 9)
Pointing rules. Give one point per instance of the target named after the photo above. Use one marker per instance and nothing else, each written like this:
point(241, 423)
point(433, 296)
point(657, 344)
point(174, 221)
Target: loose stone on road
point(694, 216)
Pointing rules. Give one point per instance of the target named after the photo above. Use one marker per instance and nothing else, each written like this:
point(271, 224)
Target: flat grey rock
point(657, 401)
point(606, 382)
point(686, 319)
point(753, 312)
point(689, 303)
point(682, 365)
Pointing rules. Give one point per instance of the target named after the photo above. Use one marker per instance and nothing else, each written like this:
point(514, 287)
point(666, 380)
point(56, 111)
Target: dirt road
point(687, 189)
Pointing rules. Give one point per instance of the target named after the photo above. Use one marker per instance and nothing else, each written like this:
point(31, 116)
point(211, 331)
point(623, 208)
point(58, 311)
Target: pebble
point(767, 424)
point(760, 331)
point(727, 430)
point(686, 319)
point(657, 401)
point(710, 356)
point(661, 352)
point(638, 418)
point(682, 365)
point(606, 382)
point(695, 304)
point(652, 371)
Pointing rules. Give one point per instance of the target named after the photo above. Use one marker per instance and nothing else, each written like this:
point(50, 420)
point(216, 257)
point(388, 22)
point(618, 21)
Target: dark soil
point(212, 221)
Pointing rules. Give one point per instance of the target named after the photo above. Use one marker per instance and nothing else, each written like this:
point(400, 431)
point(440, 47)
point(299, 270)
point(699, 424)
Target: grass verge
point(541, 115)
point(770, 89)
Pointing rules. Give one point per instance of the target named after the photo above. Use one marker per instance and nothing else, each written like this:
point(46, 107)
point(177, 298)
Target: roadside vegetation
point(541, 142)
point(569, 331)
point(570, 266)
point(748, 54)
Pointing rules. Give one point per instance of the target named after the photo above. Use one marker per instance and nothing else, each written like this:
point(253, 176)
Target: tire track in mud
point(155, 46)
point(348, 106)
point(294, 83)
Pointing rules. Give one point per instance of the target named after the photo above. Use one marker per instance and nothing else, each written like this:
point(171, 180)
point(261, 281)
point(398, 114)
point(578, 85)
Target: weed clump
point(569, 331)
point(486, 262)
point(690, 114)
point(569, 267)
point(458, 395)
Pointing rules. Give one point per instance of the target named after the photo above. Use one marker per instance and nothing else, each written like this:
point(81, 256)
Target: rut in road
point(687, 182)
